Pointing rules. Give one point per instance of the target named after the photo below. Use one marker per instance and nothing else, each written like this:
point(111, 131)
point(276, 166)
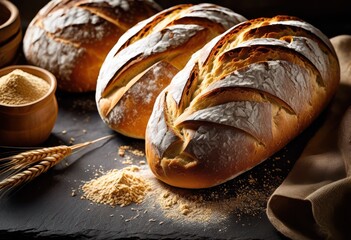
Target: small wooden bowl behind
point(29, 124)
point(10, 32)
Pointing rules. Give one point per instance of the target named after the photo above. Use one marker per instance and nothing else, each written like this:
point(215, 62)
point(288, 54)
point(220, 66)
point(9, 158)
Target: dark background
point(45, 209)
point(331, 17)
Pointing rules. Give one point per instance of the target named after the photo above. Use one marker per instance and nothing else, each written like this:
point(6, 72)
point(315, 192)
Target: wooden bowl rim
point(12, 25)
point(37, 71)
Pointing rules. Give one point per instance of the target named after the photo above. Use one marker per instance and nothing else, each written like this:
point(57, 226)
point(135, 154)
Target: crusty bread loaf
point(71, 38)
point(240, 99)
point(146, 57)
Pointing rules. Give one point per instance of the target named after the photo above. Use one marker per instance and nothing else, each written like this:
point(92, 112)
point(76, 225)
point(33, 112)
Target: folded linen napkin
point(314, 201)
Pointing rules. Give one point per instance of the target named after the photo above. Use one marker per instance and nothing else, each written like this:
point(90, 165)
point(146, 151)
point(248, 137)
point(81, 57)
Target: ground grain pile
point(19, 87)
point(117, 187)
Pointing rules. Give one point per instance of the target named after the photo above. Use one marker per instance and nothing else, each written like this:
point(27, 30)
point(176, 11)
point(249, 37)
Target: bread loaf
point(146, 57)
point(240, 99)
point(71, 38)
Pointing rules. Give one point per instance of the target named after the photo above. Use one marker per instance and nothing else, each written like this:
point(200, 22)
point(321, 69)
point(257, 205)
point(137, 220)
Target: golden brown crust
point(134, 104)
point(256, 87)
point(167, 40)
point(72, 38)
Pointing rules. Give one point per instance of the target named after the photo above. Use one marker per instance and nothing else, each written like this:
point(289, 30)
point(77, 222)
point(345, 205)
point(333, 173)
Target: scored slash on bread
point(71, 38)
point(240, 99)
point(145, 59)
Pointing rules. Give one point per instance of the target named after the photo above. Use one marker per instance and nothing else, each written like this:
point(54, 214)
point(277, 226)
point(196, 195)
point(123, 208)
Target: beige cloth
point(314, 201)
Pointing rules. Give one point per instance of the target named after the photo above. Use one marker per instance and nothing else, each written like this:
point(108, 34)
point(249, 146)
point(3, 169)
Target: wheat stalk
point(28, 165)
point(33, 171)
point(25, 159)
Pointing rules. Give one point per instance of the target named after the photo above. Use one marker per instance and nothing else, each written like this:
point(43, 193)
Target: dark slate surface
point(45, 208)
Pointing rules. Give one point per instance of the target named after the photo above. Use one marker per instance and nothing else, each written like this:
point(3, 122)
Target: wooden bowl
point(29, 124)
point(10, 32)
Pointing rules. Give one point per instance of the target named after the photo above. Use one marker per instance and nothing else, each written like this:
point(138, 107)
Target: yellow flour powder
point(117, 187)
point(19, 87)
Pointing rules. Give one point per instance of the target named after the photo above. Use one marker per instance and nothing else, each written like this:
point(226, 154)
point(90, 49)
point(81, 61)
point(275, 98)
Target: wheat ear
point(43, 159)
point(34, 171)
point(25, 159)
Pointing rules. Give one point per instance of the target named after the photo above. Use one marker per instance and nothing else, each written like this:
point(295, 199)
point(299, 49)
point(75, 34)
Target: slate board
point(45, 208)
